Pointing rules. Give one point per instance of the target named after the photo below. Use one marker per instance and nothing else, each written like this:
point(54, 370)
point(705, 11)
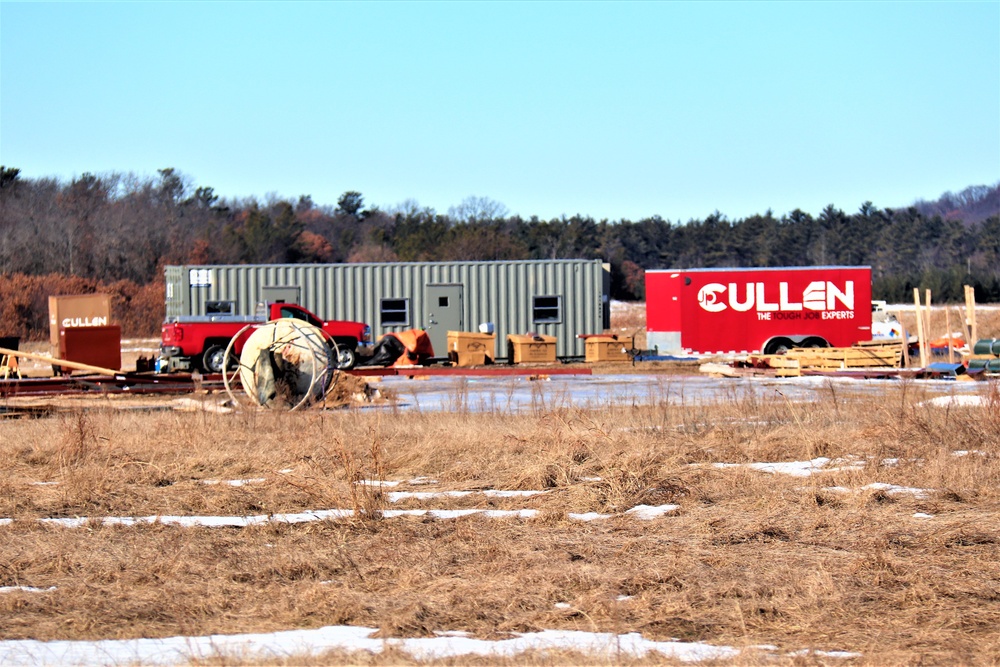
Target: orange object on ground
point(417, 344)
point(942, 343)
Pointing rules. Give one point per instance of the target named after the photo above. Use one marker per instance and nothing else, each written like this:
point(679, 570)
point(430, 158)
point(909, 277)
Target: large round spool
point(285, 364)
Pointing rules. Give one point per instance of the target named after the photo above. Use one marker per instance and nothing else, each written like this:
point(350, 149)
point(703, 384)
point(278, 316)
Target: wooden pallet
point(867, 355)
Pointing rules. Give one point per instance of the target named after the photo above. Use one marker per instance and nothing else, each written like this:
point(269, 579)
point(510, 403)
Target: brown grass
point(750, 558)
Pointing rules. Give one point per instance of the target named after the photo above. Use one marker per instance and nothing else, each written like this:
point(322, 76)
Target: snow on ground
point(397, 496)
point(800, 468)
point(514, 394)
point(956, 401)
point(25, 589)
point(642, 512)
point(282, 645)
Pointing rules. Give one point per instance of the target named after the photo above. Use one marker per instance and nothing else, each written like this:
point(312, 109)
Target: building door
point(443, 310)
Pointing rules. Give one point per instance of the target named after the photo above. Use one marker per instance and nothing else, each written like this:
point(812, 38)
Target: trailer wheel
point(778, 345)
point(815, 341)
point(213, 358)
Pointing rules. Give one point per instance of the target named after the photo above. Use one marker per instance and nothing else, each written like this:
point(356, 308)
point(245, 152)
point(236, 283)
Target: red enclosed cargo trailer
point(721, 311)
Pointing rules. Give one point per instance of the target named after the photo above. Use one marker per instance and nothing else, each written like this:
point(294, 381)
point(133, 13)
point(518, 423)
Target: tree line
point(122, 227)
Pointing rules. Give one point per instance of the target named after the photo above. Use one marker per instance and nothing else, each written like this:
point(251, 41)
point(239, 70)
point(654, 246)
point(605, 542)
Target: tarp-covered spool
point(987, 346)
point(285, 364)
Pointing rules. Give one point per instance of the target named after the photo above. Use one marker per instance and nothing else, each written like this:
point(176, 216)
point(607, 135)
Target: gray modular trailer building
point(561, 298)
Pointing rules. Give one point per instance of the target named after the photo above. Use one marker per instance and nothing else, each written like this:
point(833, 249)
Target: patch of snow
point(587, 516)
point(799, 468)
point(923, 515)
point(235, 482)
point(512, 494)
point(312, 642)
point(563, 605)
point(642, 512)
point(456, 514)
point(888, 489)
point(809, 653)
point(396, 496)
point(649, 512)
point(957, 401)
point(893, 490)
point(25, 589)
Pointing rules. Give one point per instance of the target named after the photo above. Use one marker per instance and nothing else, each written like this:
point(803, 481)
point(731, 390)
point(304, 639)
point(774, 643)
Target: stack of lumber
point(866, 355)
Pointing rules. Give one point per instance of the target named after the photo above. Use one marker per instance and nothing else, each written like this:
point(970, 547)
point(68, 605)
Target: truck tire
point(778, 345)
point(213, 358)
point(346, 358)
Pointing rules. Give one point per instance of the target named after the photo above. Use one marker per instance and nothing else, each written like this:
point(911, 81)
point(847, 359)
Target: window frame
point(405, 311)
point(536, 309)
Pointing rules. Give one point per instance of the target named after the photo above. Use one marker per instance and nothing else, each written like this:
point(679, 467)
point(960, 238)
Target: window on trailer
point(546, 309)
point(394, 312)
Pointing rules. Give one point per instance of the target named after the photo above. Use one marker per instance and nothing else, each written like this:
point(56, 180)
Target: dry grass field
point(889, 552)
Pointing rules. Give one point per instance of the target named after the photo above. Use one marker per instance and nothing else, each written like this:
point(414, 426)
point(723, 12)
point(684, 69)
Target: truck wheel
point(346, 358)
point(212, 360)
point(778, 346)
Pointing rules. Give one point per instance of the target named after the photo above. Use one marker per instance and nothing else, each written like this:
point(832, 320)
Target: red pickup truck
point(200, 341)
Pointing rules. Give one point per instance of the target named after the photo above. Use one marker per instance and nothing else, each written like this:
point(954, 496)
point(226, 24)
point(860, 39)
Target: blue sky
point(613, 110)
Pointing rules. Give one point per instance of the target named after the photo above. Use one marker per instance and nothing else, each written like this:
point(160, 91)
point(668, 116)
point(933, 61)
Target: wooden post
point(928, 331)
point(906, 345)
point(966, 334)
point(947, 325)
point(920, 328)
point(970, 314)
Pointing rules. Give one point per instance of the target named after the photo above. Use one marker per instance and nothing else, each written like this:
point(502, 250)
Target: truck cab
point(344, 334)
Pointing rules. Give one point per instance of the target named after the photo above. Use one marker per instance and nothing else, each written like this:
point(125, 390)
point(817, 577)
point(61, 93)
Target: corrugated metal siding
point(498, 292)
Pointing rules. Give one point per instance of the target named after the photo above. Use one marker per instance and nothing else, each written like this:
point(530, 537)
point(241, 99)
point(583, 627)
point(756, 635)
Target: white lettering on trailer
point(814, 297)
point(783, 301)
point(736, 305)
point(708, 297)
point(71, 322)
point(818, 295)
point(762, 304)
